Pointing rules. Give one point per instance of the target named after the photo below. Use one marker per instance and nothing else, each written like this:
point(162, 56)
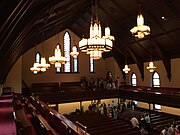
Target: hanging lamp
point(57, 59)
point(35, 69)
point(126, 69)
point(74, 52)
point(151, 67)
point(140, 30)
point(43, 65)
point(96, 44)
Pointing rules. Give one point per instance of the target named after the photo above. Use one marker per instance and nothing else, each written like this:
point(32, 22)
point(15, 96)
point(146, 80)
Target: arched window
point(38, 57)
point(155, 80)
point(133, 79)
point(67, 45)
point(91, 65)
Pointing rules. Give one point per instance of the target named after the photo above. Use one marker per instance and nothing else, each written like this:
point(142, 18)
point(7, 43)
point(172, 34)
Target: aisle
point(7, 124)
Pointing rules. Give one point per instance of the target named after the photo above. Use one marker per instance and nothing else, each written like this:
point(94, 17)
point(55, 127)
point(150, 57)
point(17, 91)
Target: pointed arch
point(38, 57)
point(133, 79)
point(155, 79)
point(67, 48)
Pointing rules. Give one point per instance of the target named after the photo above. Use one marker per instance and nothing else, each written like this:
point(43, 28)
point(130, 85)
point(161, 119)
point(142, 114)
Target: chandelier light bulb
point(151, 67)
point(140, 30)
point(96, 44)
point(126, 69)
point(74, 52)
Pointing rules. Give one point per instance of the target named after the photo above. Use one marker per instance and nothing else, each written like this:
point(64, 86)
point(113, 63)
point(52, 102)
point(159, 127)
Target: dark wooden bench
point(61, 124)
point(22, 124)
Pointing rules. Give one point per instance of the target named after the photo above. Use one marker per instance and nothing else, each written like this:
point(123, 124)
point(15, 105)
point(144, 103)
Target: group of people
point(144, 124)
point(107, 83)
point(173, 129)
point(110, 110)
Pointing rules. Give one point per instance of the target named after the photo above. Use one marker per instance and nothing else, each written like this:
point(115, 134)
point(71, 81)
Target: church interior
point(81, 67)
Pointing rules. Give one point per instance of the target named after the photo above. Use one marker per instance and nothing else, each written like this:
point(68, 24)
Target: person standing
point(148, 122)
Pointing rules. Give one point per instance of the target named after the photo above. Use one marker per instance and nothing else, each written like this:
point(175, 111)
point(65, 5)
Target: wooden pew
point(56, 120)
point(41, 124)
point(22, 124)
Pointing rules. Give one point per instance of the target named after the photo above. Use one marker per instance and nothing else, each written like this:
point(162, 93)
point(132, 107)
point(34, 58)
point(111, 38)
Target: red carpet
point(7, 124)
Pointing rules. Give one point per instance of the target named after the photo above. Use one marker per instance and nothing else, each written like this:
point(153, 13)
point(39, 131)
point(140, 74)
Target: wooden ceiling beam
point(14, 22)
point(172, 8)
point(7, 60)
point(119, 59)
point(71, 12)
point(166, 60)
point(138, 61)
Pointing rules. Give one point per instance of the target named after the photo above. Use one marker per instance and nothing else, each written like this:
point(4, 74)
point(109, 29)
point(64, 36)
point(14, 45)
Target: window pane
point(133, 76)
point(38, 57)
point(91, 65)
point(67, 44)
point(156, 80)
point(75, 65)
point(133, 79)
point(157, 107)
point(156, 75)
point(58, 70)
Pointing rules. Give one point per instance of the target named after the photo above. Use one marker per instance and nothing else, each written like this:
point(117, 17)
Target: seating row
point(61, 124)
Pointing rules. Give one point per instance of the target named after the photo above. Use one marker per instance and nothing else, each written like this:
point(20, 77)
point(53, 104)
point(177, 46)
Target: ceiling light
point(74, 52)
point(151, 67)
point(57, 59)
point(35, 69)
point(96, 44)
point(43, 65)
point(140, 30)
point(126, 69)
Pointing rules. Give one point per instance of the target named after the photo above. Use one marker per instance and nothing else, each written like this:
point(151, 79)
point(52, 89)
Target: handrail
point(64, 124)
point(85, 127)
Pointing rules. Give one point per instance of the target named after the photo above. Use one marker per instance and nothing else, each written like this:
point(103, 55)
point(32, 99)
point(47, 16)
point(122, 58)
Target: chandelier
point(35, 69)
point(96, 44)
point(57, 59)
point(151, 67)
point(74, 52)
point(43, 65)
point(140, 30)
point(126, 69)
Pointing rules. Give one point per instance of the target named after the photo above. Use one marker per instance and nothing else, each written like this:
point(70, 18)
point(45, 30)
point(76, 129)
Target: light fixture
point(151, 67)
point(74, 52)
point(57, 59)
point(35, 69)
point(126, 69)
point(43, 65)
point(140, 30)
point(96, 44)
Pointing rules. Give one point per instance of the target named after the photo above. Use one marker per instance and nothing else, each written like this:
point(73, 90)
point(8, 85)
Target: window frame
point(156, 86)
point(36, 57)
point(67, 52)
point(133, 79)
point(91, 65)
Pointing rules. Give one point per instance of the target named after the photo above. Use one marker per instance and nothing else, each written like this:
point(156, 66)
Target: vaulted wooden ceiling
point(23, 22)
